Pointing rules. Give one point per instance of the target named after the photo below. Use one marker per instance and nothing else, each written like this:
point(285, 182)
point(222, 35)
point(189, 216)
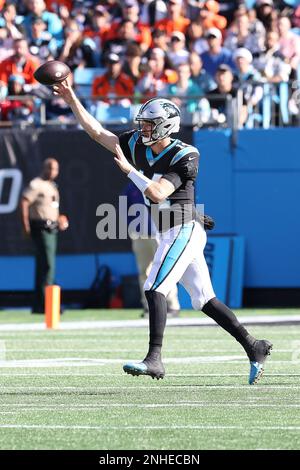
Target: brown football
point(52, 72)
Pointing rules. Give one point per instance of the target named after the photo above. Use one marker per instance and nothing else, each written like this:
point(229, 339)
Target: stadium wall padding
point(252, 191)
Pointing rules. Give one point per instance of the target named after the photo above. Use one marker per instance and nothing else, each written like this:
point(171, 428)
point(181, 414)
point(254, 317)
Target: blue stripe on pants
point(174, 253)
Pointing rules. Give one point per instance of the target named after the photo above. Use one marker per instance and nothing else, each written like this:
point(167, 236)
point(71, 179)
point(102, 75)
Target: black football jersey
point(177, 163)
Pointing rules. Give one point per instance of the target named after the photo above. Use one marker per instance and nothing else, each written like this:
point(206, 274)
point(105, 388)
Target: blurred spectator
point(182, 30)
point(220, 101)
point(241, 36)
point(195, 37)
point(130, 12)
point(157, 75)
point(271, 63)
point(11, 21)
point(216, 54)
point(227, 8)
point(132, 65)
point(55, 5)
point(126, 35)
point(296, 18)
point(113, 7)
point(203, 79)
point(265, 12)
point(79, 13)
point(77, 50)
point(160, 39)
point(6, 44)
point(174, 21)
point(20, 63)
point(209, 16)
point(42, 44)
point(13, 109)
point(99, 26)
point(289, 42)
point(152, 11)
point(114, 82)
point(247, 77)
point(58, 110)
point(177, 54)
point(255, 25)
point(187, 95)
point(38, 8)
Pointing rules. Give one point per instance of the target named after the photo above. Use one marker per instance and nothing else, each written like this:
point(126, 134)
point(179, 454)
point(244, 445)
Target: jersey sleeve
point(186, 168)
point(127, 143)
point(30, 192)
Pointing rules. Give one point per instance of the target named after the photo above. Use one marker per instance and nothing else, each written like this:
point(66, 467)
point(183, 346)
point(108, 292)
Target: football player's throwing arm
point(87, 121)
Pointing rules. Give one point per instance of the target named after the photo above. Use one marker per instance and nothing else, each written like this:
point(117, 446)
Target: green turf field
point(66, 389)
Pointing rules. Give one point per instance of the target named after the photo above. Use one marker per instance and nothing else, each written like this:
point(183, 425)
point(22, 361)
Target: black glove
point(207, 222)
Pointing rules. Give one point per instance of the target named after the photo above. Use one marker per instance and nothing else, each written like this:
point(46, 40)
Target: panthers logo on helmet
point(171, 109)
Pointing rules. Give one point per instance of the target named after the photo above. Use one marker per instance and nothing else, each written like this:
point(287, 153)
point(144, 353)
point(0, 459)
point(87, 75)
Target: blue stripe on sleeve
point(182, 153)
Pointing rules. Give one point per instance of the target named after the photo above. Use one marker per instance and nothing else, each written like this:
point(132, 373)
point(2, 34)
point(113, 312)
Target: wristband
point(141, 181)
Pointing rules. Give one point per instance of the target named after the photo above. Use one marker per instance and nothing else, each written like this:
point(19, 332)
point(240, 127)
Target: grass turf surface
point(67, 390)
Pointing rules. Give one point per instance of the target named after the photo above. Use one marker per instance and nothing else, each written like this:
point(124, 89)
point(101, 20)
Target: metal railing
point(274, 109)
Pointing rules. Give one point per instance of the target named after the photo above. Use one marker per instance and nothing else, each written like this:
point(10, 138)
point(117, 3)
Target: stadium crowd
point(210, 57)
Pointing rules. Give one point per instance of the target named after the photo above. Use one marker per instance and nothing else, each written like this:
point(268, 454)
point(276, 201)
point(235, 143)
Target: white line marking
point(117, 374)
point(95, 389)
point(75, 361)
point(89, 362)
point(143, 323)
point(149, 427)
point(113, 350)
point(66, 407)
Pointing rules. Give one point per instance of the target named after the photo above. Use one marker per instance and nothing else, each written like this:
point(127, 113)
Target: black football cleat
point(153, 368)
point(258, 354)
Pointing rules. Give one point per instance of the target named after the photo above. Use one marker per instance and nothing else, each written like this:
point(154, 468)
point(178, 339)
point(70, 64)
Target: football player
point(165, 169)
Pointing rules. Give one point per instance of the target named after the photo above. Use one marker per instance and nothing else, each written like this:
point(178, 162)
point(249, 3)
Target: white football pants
point(179, 258)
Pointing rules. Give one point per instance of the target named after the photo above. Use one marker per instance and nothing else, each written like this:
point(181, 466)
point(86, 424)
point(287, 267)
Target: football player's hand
point(26, 231)
point(64, 90)
point(63, 222)
point(122, 161)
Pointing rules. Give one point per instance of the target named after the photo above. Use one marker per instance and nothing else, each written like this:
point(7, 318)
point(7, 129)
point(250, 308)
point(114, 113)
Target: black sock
point(228, 321)
point(157, 321)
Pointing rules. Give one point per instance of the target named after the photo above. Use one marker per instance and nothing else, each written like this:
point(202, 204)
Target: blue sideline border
point(224, 255)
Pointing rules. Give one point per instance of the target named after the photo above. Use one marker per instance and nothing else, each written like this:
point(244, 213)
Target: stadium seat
point(112, 114)
point(83, 79)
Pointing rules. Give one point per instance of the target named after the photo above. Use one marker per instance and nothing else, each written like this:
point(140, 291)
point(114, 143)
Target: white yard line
point(148, 427)
point(75, 361)
point(80, 325)
point(127, 350)
point(117, 374)
point(66, 407)
point(96, 388)
point(101, 362)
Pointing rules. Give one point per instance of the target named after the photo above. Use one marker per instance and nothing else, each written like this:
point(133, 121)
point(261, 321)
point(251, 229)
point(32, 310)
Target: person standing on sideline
point(165, 170)
point(41, 221)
